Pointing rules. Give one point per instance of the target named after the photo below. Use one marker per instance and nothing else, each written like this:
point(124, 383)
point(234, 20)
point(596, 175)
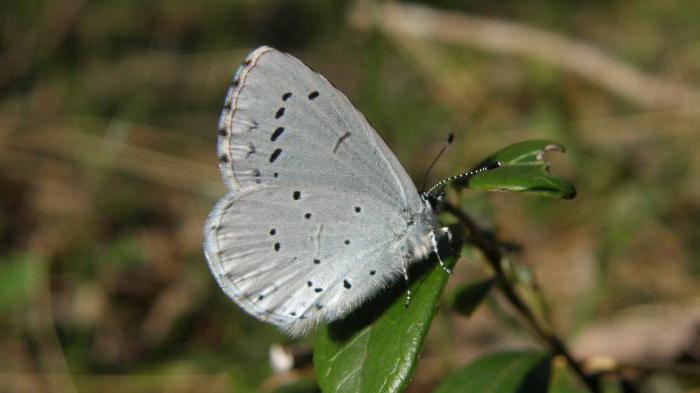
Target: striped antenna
point(438, 188)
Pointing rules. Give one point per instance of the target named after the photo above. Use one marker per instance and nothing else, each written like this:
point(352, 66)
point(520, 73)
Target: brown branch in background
point(584, 60)
point(494, 258)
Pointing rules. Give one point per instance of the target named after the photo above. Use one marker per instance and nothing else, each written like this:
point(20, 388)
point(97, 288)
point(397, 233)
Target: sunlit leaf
point(523, 168)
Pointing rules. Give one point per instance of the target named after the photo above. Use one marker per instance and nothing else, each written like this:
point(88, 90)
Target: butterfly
point(320, 216)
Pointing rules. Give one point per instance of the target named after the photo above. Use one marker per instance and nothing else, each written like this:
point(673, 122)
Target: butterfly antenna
point(450, 138)
point(440, 186)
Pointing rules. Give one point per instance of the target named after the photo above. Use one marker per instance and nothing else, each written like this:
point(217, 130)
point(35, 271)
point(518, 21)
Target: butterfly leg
point(433, 240)
point(408, 286)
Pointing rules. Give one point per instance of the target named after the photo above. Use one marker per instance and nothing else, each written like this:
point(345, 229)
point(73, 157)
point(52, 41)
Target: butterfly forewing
point(284, 124)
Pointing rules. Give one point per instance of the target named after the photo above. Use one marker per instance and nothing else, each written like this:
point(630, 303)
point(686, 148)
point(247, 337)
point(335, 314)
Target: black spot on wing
point(340, 140)
point(313, 95)
point(286, 96)
point(279, 113)
point(251, 150)
point(256, 174)
point(276, 134)
point(275, 154)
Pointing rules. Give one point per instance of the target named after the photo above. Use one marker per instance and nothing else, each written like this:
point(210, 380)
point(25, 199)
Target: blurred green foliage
point(503, 372)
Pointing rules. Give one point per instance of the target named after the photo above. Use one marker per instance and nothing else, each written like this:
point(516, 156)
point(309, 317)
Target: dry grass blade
point(143, 162)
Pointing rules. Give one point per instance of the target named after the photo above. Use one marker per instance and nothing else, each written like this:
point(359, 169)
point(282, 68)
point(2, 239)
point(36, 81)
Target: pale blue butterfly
point(320, 215)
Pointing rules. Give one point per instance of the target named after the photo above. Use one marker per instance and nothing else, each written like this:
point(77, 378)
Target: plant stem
point(494, 256)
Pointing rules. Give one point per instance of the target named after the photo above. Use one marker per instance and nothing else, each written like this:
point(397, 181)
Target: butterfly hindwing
point(293, 258)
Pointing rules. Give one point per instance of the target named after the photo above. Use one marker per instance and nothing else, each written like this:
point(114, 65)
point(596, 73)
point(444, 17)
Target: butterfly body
point(320, 215)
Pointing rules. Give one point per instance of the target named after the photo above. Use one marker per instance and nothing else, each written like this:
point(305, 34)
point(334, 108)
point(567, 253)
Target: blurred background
point(108, 113)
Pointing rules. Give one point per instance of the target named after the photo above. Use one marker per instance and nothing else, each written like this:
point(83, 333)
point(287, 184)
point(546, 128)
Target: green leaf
point(376, 348)
point(505, 372)
point(468, 296)
point(563, 381)
point(20, 278)
point(523, 169)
